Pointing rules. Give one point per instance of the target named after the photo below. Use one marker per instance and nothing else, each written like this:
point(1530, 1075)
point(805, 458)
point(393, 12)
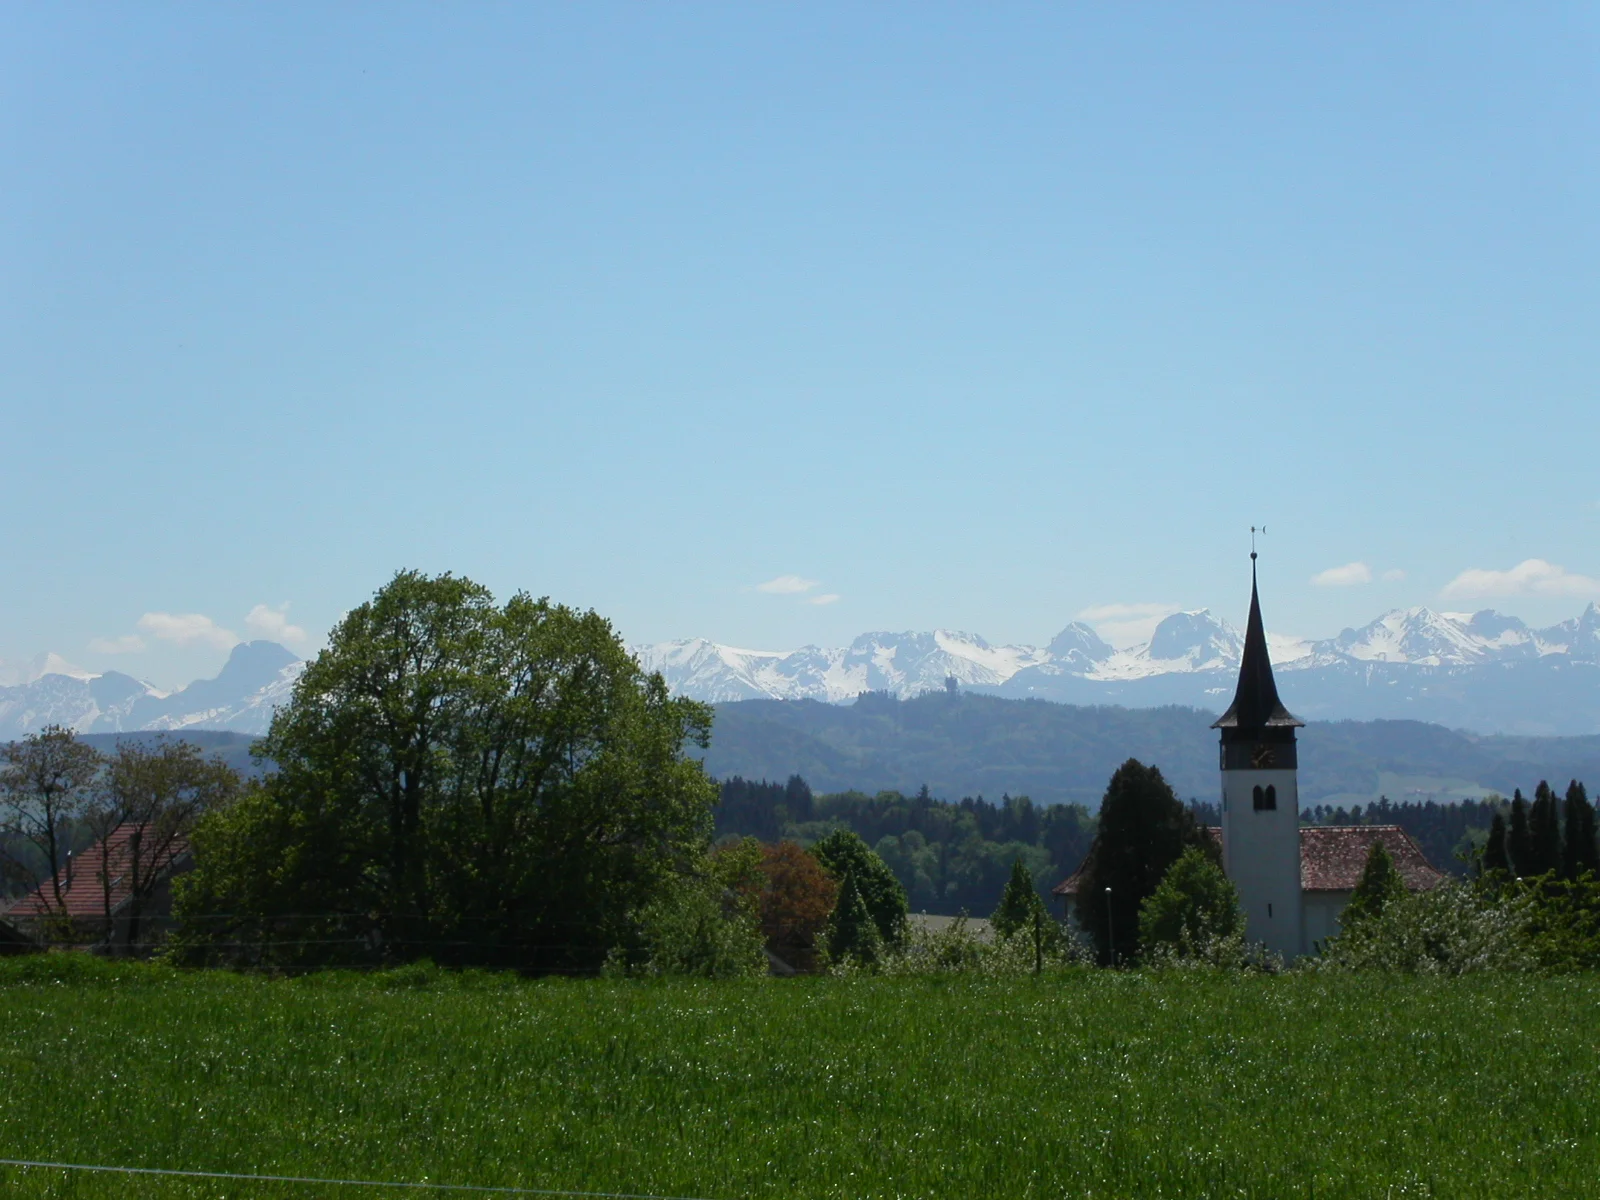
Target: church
point(1293, 883)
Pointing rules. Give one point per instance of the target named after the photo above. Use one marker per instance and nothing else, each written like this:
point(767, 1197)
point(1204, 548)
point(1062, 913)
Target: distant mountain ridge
point(257, 677)
point(1482, 671)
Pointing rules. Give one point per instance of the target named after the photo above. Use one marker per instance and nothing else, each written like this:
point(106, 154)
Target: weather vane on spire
point(1254, 529)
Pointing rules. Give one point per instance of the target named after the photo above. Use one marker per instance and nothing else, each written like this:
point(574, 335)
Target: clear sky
point(975, 316)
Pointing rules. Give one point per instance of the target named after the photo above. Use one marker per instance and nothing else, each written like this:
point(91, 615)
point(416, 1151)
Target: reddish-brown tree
point(795, 904)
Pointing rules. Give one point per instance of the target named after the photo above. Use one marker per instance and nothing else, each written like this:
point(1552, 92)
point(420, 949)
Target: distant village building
point(102, 878)
point(1293, 883)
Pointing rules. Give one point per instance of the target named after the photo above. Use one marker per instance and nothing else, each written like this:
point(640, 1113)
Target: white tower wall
point(1261, 854)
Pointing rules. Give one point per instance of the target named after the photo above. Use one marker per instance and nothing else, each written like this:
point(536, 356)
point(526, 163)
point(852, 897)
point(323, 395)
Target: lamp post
point(1111, 932)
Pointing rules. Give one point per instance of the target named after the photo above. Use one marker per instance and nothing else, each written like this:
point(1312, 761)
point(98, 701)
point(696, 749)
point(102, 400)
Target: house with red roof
point(1293, 883)
point(118, 887)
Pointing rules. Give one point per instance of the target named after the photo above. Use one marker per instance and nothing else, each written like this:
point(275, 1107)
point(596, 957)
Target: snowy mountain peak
point(257, 677)
point(1197, 639)
point(1078, 643)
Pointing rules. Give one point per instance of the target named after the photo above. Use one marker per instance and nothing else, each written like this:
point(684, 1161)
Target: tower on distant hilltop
point(1260, 797)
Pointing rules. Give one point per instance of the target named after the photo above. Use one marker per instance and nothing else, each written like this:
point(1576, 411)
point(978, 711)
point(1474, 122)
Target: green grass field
point(1085, 1084)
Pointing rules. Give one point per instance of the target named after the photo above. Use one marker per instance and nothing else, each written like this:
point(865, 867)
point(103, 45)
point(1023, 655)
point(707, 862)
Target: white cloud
point(825, 598)
point(186, 629)
point(1349, 575)
point(1112, 612)
point(273, 624)
point(1126, 624)
point(128, 643)
point(786, 585)
point(1530, 577)
point(1393, 574)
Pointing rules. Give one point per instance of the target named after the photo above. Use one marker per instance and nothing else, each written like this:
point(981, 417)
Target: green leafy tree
point(1143, 829)
point(1544, 832)
point(706, 923)
point(1495, 857)
point(1519, 846)
point(1379, 886)
point(845, 856)
point(45, 787)
point(1194, 906)
point(853, 933)
point(482, 784)
point(1020, 905)
point(1579, 851)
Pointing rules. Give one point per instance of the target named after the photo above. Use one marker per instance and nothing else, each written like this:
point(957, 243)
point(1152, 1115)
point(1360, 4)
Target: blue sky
point(970, 316)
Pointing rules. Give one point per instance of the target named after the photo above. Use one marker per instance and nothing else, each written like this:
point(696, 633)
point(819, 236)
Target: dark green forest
point(965, 744)
point(954, 856)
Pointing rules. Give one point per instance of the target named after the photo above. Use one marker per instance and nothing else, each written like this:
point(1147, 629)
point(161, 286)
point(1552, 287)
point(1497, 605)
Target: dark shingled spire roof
point(1255, 702)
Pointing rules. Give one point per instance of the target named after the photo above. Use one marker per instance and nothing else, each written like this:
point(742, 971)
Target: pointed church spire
point(1255, 700)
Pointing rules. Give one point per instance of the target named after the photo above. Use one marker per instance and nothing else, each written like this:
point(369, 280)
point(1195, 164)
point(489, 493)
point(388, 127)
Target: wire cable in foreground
point(479, 1188)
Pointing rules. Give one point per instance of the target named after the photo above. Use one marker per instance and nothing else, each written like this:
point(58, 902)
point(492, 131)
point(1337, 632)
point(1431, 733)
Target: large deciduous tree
point(1143, 828)
point(500, 785)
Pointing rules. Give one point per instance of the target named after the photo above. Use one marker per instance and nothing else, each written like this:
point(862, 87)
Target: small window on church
point(1258, 798)
point(1272, 798)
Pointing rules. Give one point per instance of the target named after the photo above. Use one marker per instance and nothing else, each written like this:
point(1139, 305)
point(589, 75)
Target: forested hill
point(968, 745)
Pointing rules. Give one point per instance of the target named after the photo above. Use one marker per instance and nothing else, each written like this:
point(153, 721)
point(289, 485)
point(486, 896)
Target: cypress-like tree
point(1143, 829)
point(1379, 885)
point(1495, 857)
point(1544, 831)
point(852, 933)
point(1579, 853)
point(843, 855)
point(1019, 904)
point(1519, 846)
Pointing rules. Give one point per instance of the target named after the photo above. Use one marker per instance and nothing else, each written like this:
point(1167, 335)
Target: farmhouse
point(1293, 883)
point(128, 874)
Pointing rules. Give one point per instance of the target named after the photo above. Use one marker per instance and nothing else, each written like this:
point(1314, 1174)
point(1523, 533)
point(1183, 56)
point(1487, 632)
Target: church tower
point(1260, 799)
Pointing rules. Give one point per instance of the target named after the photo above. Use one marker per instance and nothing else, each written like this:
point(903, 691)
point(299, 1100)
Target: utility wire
point(374, 1183)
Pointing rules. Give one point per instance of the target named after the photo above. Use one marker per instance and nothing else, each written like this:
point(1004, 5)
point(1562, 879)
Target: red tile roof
point(1332, 858)
point(85, 897)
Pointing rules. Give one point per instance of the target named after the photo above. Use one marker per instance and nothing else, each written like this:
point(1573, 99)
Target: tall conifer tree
point(1379, 885)
point(1143, 829)
point(1580, 853)
point(1518, 844)
point(1495, 857)
point(1544, 831)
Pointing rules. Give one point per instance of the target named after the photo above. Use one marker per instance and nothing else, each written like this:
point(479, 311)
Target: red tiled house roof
point(81, 888)
point(1332, 858)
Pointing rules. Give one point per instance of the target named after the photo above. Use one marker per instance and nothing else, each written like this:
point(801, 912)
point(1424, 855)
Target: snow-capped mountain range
point(1481, 671)
point(257, 677)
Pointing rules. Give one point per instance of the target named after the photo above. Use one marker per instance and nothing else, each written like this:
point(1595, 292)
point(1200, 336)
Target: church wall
point(1320, 913)
point(1261, 854)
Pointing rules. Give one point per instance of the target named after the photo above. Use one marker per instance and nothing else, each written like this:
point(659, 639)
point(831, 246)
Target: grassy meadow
point(1080, 1084)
